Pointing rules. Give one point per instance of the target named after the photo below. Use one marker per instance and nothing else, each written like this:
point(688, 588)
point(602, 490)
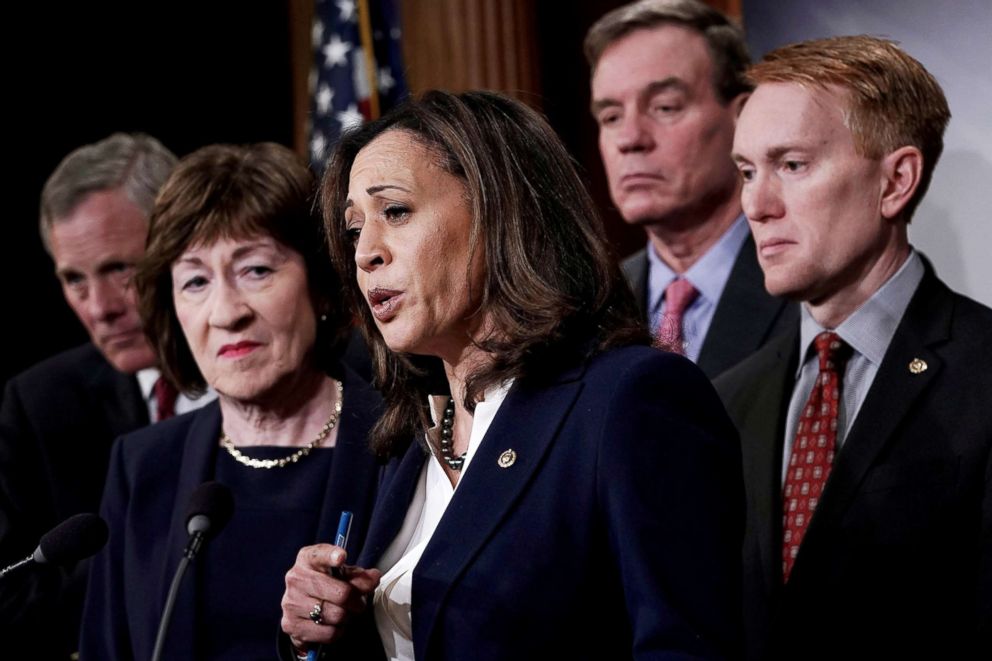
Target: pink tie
point(165, 399)
point(679, 295)
point(813, 449)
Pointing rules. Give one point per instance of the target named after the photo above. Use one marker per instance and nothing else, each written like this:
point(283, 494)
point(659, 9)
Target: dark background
point(188, 73)
point(191, 74)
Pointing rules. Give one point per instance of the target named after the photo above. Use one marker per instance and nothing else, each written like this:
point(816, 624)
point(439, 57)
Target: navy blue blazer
point(615, 533)
point(152, 474)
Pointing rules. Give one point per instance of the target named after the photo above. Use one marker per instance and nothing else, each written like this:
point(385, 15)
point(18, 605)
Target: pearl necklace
point(447, 436)
point(296, 456)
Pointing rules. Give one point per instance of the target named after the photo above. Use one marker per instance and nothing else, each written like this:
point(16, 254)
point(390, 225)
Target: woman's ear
point(901, 172)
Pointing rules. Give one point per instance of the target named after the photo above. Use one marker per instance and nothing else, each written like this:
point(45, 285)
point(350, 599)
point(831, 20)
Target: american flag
point(357, 71)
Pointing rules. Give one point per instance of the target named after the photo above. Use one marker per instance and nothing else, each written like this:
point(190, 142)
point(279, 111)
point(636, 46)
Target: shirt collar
point(709, 274)
point(146, 381)
point(870, 328)
point(492, 398)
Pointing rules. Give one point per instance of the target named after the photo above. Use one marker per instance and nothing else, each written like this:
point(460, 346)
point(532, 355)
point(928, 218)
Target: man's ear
point(901, 172)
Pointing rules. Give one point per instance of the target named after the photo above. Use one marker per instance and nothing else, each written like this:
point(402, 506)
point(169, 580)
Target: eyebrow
point(372, 190)
point(652, 88)
point(263, 244)
point(102, 268)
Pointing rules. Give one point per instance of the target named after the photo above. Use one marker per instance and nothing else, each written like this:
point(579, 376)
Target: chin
point(643, 213)
point(786, 287)
point(130, 361)
point(241, 390)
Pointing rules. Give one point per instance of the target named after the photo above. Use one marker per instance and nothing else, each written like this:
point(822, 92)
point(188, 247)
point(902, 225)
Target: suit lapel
point(762, 432)
point(119, 397)
point(391, 506)
point(199, 454)
point(635, 268)
point(352, 469)
point(893, 394)
point(744, 318)
point(527, 422)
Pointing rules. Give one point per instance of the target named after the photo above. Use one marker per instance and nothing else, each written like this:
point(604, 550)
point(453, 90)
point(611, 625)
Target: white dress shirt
point(146, 381)
point(394, 596)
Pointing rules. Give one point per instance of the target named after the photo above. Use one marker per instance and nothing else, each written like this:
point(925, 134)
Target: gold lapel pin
point(506, 459)
point(917, 366)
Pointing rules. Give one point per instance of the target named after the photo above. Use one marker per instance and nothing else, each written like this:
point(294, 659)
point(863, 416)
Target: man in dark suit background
point(667, 86)
point(867, 431)
point(59, 418)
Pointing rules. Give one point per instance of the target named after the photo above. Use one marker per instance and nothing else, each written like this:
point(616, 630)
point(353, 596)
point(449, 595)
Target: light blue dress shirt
point(869, 331)
point(708, 275)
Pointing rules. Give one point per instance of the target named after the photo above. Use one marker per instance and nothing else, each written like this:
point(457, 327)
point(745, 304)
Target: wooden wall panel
point(471, 44)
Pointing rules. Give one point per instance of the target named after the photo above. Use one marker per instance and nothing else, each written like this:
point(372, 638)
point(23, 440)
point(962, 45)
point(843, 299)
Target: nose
point(632, 135)
point(107, 299)
point(371, 251)
point(228, 308)
point(761, 198)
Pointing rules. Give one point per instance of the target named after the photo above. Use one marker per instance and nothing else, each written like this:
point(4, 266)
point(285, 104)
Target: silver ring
point(316, 613)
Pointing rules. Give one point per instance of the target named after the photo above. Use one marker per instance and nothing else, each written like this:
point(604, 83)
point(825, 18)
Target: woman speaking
point(237, 292)
point(571, 492)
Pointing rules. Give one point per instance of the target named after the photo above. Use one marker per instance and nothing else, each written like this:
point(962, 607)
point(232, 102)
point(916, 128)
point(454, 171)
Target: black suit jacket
point(57, 423)
point(746, 315)
point(897, 560)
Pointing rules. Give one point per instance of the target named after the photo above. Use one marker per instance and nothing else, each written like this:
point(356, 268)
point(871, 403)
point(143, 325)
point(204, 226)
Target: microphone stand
point(170, 604)
point(195, 542)
point(19, 563)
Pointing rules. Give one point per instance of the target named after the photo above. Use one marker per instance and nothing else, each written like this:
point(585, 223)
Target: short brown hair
point(725, 39)
point(553, 289)
point(227, 191)
point(894, 101)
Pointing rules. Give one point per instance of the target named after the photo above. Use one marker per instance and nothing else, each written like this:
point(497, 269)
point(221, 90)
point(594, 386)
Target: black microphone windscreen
point(210, 508)
point(78, 537)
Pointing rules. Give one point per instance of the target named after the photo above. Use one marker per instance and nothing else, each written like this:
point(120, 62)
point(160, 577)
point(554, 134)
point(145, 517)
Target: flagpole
point(368, 49)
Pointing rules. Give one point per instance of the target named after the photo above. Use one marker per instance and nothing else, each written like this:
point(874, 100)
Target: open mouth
point(384, 302)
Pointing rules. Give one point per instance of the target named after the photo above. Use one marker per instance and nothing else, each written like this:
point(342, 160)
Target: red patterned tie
point(165, 399)
point(813, 448)
point(679, 295)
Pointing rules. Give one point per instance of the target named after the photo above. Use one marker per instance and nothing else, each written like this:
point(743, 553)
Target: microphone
point(210, 508)
point(78, 537)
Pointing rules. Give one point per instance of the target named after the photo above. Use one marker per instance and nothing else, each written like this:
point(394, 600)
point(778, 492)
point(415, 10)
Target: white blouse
point(434, 491)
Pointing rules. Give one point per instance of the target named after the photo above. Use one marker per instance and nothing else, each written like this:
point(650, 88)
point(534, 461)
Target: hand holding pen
point(322, 593)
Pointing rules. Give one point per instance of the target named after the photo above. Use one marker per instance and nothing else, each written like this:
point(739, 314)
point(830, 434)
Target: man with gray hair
point(59, 418)
point(667, 86)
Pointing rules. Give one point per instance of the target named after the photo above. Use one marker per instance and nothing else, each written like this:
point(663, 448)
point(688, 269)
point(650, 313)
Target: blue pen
point(344, 529)
point(340, 539)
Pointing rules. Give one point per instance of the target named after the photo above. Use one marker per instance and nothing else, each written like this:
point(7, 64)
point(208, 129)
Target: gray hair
point(724, 38)
point(135, 163)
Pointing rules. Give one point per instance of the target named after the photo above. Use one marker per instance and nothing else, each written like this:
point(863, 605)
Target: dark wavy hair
point(552, 287)
point(228, 191)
